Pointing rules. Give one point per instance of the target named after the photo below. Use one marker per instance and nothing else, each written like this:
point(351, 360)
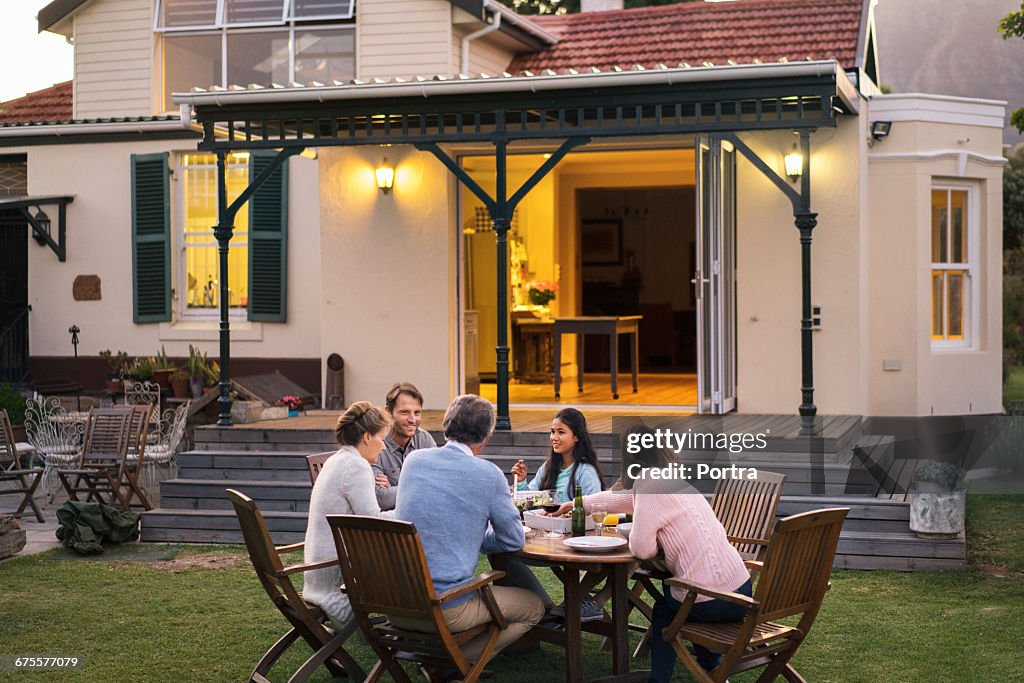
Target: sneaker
point(589, 611)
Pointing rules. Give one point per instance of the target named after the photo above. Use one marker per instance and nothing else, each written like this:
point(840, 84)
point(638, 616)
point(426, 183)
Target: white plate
point(595, 544)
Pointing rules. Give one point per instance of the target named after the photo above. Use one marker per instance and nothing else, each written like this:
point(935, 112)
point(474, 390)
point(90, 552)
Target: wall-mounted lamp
point(44, 223)
point(794, 164)
point(880, 129)
point(385, 176)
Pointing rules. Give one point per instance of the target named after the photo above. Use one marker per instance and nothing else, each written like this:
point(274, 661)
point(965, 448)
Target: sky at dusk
point(32, 60)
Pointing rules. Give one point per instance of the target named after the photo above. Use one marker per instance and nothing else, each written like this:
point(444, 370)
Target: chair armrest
point(721, 595)
point(754, 566)
point(299, 568)
point(469, 587)
point(744, 540)
point(290, 548)
point(492, 606)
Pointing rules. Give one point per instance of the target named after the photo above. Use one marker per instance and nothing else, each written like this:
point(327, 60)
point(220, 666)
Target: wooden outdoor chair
point(138, 438)
point(386, 573)
point(746, 508)
point(315, 462)
point(25, 480)
point(792, 581)
point(100, 469)
point(307, 620)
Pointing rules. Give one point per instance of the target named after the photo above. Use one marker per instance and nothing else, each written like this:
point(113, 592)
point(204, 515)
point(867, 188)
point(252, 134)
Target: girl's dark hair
point(361, 417)
point(582, 453)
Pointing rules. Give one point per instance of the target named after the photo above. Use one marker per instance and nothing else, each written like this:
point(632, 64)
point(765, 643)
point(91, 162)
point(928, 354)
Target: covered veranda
point(561, 111)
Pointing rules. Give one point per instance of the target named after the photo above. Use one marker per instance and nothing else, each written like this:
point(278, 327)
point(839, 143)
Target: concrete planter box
point(245, 412)
point(937, 514)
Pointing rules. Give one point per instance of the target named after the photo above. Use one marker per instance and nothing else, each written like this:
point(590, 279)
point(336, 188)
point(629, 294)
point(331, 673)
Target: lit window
point(238, 42)
point(200, 263)
point(951, 271)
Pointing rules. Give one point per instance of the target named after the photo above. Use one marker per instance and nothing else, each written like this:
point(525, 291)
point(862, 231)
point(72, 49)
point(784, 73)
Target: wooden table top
point(553, 550)
point(599, 318)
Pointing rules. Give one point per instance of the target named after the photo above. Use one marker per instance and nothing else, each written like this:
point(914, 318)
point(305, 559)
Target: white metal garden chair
point(161, 451)
point(55, 434)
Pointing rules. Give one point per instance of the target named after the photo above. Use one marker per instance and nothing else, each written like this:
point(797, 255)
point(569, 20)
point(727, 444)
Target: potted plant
point(938, 500)
point(292, 402)
point(196, 371)
point(140, 369)
point(14, 403)
point(163, 368)
point(179, 383)
point(117, 362)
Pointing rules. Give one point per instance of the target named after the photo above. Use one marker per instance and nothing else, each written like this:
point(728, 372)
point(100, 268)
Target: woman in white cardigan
point(344, 487)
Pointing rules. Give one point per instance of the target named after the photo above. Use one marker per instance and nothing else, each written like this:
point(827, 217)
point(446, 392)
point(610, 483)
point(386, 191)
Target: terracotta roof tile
point(696, 32)
point(47, 105)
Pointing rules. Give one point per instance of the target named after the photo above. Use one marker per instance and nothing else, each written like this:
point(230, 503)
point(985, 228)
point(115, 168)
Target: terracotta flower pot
point(114, 386)
point(163, 377)
point(180, 388)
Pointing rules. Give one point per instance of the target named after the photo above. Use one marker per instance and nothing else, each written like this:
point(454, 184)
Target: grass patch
point(1014, 388)
point(201, 616)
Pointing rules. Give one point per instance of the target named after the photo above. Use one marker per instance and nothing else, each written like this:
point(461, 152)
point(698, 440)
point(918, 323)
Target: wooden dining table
point(578, 571)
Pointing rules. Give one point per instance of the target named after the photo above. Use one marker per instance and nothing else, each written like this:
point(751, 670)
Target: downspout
point(494, 26)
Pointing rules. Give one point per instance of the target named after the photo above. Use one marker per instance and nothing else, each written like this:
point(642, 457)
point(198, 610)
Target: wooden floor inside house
point(653, 389)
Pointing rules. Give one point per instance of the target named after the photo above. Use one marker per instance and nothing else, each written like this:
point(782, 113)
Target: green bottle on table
point(579, 516)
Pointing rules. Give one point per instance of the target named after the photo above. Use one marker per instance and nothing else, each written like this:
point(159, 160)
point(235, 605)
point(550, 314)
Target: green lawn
point(203, 617)
point(1014, 389)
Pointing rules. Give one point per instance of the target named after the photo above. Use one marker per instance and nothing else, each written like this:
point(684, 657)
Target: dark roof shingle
point(47, 105)
point(696, 32)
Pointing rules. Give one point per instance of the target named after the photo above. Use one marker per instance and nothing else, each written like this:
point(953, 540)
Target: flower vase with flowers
point(293, 403)
point(541, 292)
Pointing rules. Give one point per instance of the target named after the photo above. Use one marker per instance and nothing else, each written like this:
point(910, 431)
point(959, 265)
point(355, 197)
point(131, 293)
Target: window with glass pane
point(258, 57)
point(253, 11)
point(324, 56)
point(309, 9)
point(186, 13)
point(201, 264)
point(951, 274)
point(190, 61)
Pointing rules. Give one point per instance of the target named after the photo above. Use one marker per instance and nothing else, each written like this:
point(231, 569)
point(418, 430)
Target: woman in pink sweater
point(672, 517)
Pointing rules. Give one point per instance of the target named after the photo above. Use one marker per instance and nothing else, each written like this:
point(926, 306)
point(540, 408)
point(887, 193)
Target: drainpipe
point(494, 26)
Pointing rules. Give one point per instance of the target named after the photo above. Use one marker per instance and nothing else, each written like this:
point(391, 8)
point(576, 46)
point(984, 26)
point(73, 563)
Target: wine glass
point(598, 516)
point(552, 501)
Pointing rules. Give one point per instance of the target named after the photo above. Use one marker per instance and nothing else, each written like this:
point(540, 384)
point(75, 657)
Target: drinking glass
point(598, 517)
point(552, 501)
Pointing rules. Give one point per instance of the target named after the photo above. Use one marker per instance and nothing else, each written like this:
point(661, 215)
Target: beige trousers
point(522, 610)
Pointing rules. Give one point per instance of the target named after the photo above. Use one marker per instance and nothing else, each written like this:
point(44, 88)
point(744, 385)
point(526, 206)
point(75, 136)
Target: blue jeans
point(663, 657)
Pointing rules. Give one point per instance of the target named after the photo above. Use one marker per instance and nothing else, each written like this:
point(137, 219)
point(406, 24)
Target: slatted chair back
point(307, 620)
point(25, 480)
point(391, 551)
point(315, 462)
point(746, 508)
point(8, 446)
point(798, 564)
point(386, 573)
point(107, 437)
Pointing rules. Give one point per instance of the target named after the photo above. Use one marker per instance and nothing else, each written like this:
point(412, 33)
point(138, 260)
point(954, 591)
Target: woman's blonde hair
point(362, 417)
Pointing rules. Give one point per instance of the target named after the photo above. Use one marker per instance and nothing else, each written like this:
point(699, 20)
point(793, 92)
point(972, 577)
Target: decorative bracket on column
point(42, 223)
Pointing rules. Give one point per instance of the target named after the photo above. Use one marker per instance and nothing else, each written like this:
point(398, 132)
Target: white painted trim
point(938, 109)
point(58, 129)
point(195, 330)
point(961, 157)
point(508, 83)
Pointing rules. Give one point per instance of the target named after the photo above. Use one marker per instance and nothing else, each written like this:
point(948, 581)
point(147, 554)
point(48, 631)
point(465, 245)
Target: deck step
point(208, 494)
point(216, 526)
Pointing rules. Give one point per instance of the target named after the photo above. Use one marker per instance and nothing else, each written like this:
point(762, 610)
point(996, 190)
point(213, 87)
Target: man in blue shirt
point(462, 507)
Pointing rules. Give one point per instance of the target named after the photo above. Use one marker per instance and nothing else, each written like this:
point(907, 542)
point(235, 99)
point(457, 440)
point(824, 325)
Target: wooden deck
point(267, 461)
point(654, 389)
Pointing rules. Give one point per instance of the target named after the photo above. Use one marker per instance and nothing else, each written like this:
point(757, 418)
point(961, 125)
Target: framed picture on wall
point(601, 242)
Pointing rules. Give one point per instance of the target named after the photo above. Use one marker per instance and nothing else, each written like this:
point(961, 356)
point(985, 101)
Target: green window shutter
point(268, 242)
point(151, 238)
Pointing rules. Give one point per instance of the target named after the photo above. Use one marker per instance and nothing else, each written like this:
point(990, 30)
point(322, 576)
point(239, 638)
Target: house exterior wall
point(403, 38)
point(485, 54)
point(114, 59)
point(99, 243)
point(932, 139)
point(388, 305)
point(769, 277)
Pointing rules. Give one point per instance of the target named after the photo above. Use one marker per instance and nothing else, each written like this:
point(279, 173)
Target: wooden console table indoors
point(612, 326)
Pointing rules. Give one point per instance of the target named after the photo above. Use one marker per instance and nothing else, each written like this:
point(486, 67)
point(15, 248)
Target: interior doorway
point(637, 255)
